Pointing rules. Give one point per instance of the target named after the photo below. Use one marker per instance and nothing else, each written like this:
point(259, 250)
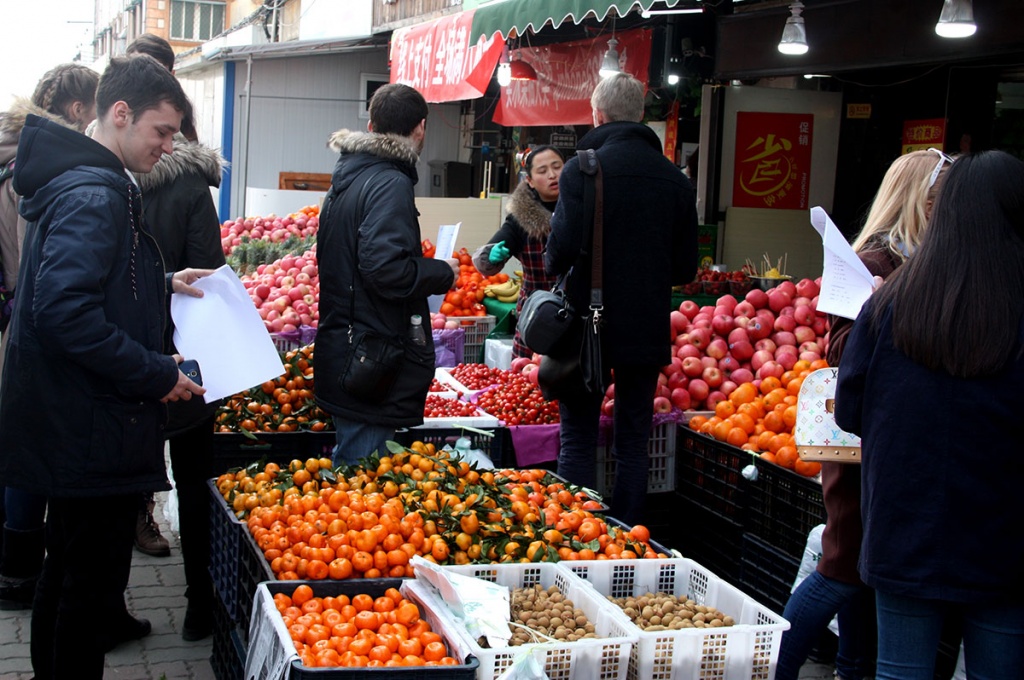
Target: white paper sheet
point(846, 284)
point(223, 331)
point(447, 234)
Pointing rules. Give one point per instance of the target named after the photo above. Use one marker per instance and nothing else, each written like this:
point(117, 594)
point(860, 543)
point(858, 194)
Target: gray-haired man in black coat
point(650, 244)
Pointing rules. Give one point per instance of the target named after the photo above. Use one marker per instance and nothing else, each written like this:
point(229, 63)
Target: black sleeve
point(566, 238)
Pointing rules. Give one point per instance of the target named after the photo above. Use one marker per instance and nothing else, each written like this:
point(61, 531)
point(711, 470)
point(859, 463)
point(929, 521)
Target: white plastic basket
point(604, 658)
point(748, 649)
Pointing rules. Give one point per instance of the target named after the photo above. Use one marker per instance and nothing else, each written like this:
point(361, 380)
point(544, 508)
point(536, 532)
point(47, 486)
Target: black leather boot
point(20, 566)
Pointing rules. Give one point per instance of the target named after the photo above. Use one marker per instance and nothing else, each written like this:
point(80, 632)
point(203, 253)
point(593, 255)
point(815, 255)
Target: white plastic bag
point(809, 563)
point(171, 505)
point(525, 667)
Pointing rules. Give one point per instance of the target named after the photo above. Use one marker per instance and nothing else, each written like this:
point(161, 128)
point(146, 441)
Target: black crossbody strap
point(593, 196)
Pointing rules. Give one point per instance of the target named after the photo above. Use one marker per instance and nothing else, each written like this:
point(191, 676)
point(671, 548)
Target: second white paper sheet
point(223, 331)
point(846, 284)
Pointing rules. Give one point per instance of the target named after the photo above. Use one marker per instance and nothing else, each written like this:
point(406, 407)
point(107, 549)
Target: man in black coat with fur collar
point(650, 244)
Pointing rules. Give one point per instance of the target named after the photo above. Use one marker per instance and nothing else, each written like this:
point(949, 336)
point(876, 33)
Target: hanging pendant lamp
point(956, 19)
point(794, 35)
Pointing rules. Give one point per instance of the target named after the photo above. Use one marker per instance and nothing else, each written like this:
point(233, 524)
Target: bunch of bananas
point(505, 292)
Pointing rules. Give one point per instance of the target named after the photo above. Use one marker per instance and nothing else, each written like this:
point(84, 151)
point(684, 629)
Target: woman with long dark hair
point(930, 379)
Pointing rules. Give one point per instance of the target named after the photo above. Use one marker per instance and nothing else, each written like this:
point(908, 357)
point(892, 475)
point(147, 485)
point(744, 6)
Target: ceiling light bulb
point(673, 79)
point(610, 65)
point(504, 74)
point(794, 35)
point(956, 19)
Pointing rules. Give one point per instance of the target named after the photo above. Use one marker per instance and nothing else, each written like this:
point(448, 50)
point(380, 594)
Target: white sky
point(35, 36)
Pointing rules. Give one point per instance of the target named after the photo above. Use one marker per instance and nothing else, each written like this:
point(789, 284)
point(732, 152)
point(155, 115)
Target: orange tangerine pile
point(361, 631)
point(761, 419)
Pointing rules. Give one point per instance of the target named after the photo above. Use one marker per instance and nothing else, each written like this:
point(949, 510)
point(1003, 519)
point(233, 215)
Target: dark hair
point(64, 85)
point(958, 302)
point(143, 84)
point(528, 164)
point(397, 109)
point(154, 46)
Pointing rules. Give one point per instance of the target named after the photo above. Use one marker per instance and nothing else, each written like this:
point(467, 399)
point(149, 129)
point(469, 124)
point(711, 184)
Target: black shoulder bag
point(374, 360)
point(579, 366)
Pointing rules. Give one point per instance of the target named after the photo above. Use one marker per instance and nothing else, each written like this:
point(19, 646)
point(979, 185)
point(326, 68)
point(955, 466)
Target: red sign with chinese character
point(567, 74)
point(773, 160)
point(437, 59)
point(921, 135)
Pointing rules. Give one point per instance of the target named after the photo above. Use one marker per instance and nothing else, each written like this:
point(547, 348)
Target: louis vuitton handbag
point(817, 436)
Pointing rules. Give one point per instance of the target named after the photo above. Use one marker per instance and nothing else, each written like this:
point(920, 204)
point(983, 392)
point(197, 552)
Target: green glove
point(499, 253)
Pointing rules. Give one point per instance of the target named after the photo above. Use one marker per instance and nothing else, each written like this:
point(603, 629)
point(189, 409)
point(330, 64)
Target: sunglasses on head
point(943, 159)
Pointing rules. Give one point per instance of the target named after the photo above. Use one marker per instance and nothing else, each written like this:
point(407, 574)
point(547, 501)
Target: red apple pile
point(270, 228)
point(720, 347)
point(286, 292)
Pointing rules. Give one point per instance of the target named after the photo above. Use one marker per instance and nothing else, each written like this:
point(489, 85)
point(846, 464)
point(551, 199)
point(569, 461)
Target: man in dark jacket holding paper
point(374, 278)
point(650, 244)
point(85, 348)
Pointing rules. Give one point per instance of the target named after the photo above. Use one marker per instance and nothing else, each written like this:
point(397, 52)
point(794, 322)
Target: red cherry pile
point(479, 376)
point(518, 402)
point(442, 407)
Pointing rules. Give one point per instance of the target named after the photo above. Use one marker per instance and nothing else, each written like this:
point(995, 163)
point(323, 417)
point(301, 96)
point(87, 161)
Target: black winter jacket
point(650, 240)
point(378, 251)
point(79, 404)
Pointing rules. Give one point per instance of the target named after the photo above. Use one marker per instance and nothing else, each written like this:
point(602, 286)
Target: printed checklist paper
point(223, 331)
point(846, 284)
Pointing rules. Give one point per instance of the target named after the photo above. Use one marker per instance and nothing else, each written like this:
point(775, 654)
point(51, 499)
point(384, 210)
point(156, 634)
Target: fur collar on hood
point(530, 213)
point(13, 119)
point(391, 147)
point(186, 157)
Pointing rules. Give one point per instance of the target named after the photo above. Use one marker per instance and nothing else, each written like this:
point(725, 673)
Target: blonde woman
point(892, 232)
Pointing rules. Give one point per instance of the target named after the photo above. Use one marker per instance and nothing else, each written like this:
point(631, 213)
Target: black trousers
point(88, 560)
point(192, 467)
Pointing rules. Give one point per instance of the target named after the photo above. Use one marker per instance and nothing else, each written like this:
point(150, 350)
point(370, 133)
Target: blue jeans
point(580, 415)
point(810, 608)
point(358, 440)
point(24, 510)
point(909, 629)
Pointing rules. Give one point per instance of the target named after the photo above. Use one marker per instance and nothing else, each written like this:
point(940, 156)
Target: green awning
point(519, 15)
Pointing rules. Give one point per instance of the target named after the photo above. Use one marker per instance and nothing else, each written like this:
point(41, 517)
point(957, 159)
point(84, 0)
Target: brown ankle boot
point(148, 538)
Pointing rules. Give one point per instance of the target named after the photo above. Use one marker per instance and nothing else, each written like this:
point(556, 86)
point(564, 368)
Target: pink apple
point(807, 288)
point(674, 366)
point(698, 390)
point(722, 324)
point(727, 302)
point(689, 308)
point(708, 309)
point(663, 391)
point(783, 338)
point(688, 350)
point(727, 388)
point(804, 334)
point(680, 398)
point(741, 321)
point(811, 346)
point(532, 374)
point(692, 367)
point(700, 337)
point(757, 329)
point(820, 325)
point(784, 323)
point(757, 297)
point(761, 357)
point(766, 344)
point(741, 375)
point(803, 315)
point(742, 350)
point(787, 287)
point(300, 307)
point(714, 397)
point(728, 364)
point(662, 405)
point(810, 356)
point(662, 379)
point(263, 291)
point(679, 322)
point(518, 363)
point(717, 348)
point(737, 335)
point(678, 380)
point(786, 357)
point(744, 308)
point(778, 299)
point(712, 376)
point(771, 369)
point(709, 362)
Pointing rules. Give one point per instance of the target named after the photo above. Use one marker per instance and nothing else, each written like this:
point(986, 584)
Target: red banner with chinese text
point(567, 74)
point(921, 135)
point(437, 59)
point(773, 160)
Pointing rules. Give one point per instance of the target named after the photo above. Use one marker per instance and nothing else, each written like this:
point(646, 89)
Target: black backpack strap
point(7, 171)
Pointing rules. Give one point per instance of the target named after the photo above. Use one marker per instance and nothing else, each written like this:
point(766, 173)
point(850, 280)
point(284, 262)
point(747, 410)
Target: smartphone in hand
point(190, 367)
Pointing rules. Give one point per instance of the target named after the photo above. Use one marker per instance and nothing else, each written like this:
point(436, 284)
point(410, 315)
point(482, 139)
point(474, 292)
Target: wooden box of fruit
point(689, 623)
point(541, 597)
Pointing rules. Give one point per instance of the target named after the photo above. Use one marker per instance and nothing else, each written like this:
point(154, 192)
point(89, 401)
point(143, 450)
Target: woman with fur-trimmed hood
point(525, 232)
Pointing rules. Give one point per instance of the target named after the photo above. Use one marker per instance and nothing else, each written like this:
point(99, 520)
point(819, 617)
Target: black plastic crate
point(708, 472)
point(227, 657)
point(711, 540)
point(234, 449)
point(374, 588)
point(253, 569)
point(225, 536)
point(783, 507)
point(497, 447)
point(767, 574)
